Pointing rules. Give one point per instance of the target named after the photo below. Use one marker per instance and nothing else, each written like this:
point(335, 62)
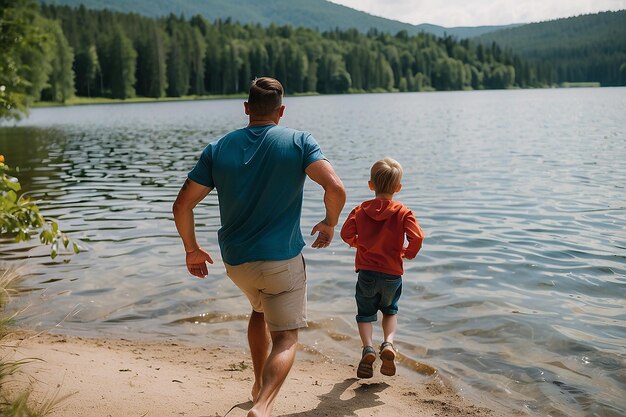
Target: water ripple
point(518, 292)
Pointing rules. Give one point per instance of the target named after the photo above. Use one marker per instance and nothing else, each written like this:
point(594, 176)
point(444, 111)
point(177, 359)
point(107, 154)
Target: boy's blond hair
point(386, 175)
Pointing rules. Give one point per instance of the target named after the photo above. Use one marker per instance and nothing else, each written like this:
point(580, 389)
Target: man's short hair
point(386, 175)
point(265, 97)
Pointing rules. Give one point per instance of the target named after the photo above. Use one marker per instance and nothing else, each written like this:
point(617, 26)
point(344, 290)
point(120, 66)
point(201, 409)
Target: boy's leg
point(387, 352)
point(366, 331)
point(259, 341)
point(368, 356)
point(390, 325)
point(389, 308)
point(366, 301)
point(391, 292)
point(275, 371)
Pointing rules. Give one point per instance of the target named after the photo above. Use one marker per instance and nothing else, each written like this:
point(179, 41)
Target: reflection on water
point(517, 296)
point(212, 318)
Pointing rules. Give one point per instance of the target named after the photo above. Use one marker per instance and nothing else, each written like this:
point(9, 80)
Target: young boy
point(377, 229)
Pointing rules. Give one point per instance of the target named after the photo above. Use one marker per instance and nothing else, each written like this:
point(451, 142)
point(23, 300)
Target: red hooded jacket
point(377, 229)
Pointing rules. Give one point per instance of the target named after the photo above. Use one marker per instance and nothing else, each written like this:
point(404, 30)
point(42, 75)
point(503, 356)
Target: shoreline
point(121, 377)
point(89, 101)
point(84, 101)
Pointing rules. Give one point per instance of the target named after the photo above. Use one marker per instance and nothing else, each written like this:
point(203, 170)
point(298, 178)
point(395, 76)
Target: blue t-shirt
point(259, 176)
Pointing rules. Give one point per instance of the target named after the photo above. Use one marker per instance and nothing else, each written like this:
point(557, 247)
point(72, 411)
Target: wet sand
point(122, 378)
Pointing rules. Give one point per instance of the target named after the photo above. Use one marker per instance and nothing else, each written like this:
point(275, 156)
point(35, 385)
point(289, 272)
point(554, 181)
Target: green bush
point(20, 217)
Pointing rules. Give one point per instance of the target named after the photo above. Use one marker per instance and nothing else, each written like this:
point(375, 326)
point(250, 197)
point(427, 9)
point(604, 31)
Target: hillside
point(315, 14)
point(579, 49)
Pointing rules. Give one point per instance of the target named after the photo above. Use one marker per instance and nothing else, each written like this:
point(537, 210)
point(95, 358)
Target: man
point(259, 173)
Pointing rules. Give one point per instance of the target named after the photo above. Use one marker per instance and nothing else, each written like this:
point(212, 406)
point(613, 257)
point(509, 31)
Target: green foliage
point(60, 77)
point(20, 217)
point(177, 57)
point(120, 56)
point(35, 57)
point(18, 35)
point(87, 68)
point(122, 65)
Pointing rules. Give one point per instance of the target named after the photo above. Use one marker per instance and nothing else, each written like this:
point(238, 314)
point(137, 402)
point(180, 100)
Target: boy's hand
point(325, 235)
point(196, 262)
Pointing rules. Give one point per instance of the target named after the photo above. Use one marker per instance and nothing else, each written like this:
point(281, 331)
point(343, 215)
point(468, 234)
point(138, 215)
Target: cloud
point(451, 13)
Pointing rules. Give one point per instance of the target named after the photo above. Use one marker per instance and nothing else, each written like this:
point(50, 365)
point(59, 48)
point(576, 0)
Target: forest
point(67, 51)
point(587, 48)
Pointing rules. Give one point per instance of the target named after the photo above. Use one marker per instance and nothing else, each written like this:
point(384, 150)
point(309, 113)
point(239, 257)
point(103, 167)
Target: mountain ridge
point(583, 48)
point(325, 14)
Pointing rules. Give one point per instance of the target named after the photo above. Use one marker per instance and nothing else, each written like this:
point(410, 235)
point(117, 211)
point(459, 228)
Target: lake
point(517, 297)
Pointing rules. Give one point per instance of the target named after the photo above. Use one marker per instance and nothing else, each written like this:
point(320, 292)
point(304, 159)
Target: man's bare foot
point(253, 413)
point(256, 388)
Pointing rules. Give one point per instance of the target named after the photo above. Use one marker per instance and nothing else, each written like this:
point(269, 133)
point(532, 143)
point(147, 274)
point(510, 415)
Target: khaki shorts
point(275, 288)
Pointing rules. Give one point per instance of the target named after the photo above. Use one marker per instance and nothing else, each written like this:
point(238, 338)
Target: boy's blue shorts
point(376, 291)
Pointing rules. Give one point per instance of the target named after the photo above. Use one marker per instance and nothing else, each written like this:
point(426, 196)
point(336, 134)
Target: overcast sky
point(450, 13)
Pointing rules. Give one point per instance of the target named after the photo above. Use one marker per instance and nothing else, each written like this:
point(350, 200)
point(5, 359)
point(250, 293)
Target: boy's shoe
point(365, 369)
point(388, 356)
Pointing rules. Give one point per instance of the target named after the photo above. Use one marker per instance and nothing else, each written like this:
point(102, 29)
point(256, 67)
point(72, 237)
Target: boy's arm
point(348, 230)
point(414, 234)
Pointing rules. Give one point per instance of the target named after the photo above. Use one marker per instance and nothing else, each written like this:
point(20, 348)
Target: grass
point(8, 278)
point(79, 101)
point(15, 404)
point(580, 85)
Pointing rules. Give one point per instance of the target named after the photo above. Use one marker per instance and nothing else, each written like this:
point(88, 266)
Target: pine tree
point(122, 65)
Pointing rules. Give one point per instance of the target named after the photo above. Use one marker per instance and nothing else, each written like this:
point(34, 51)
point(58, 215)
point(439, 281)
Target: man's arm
point(190, 194)
point(322, 172)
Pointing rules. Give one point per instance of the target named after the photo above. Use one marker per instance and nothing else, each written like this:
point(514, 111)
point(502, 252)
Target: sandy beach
point(120, 378)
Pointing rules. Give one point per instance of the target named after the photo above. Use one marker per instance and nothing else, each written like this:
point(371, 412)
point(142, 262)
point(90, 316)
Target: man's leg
point(259, 341)
point(275, 371)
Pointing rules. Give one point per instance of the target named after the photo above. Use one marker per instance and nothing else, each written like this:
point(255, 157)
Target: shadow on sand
point(331, 404)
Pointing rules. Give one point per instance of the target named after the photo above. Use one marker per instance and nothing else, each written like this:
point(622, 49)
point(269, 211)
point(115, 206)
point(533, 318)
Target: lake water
point(517, 298)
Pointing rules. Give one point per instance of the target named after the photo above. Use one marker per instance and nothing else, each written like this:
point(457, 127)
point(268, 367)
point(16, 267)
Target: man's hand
point(323, 173)
point(190, 194)
point(325, 235)
point(197, 262)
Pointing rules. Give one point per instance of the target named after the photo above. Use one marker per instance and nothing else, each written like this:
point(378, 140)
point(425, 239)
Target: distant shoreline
point(83, 101)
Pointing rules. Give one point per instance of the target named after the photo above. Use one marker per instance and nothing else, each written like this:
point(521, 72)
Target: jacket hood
point(381, 209)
